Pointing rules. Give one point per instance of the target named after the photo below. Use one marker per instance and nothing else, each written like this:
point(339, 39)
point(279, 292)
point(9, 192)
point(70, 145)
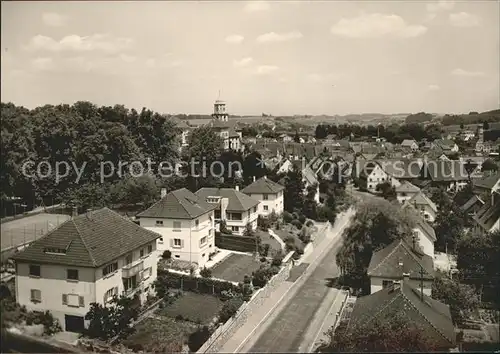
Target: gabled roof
point(487, 182)
point(431, 316)
point(427, 229)
point(402, 168)
point(488, 215)
point(422, 199)
point(471, 202)
point(178, 204)
point(408, 142)
point(263, 186)
point(445, 170)
point(89, 240)
point(407, 187)
point(386, 262)
point(237, 201)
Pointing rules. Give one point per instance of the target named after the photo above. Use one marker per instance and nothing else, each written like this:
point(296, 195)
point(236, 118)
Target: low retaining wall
point(224, 332)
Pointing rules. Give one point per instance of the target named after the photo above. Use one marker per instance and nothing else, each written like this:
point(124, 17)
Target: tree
point(461, 298)
point(462, 125)
point(296, 138)
point(229, 309)
point(134, 190)
point(397, 334)
point(248, 232)
point(106, 322)
point(321, 131)
point(387, 191)
point(294, 190)
point(489, 165)
point(310, 204)
point(486, 125)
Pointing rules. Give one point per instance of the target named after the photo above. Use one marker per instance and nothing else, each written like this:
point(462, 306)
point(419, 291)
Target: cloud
point(465, 73)
point(464, 19)
point(433, 87)
point(234, 39)
point(255, 6)
point(242, 62)
point(53, 19)
point(441, 5)
point(266, 69)
point(279, 37)
point(376, 25)
point(96, 42)
point(43, 64)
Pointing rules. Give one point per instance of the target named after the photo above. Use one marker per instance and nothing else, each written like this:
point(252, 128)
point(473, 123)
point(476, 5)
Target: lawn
point(274, 246)
point(160, 335)
point(235, 267)
point(193, 307)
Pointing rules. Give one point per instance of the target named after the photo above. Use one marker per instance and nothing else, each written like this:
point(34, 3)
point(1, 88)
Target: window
point(266, 208)
point(403, 194)
point(177, 256)
point(235, 216)
point(110, 268)
point(387, 283)
point(146, 273)
point(177, 225)
point(34, 270)
point(217, 214)
point(160, 240)
point(54, 250)
point(36, 295)
point(159, 222)
point(128, 259)
point(150, 249)
point(197, 223)
point(72, 274)
point(203, 240)
point(177, 242)
point(141, 253)
point(235, 228)
point(110, 293)
point(265, 196)
point(254, 209)
point(73, 300)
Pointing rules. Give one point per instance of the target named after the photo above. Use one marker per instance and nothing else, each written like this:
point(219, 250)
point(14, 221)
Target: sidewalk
point(279, 297)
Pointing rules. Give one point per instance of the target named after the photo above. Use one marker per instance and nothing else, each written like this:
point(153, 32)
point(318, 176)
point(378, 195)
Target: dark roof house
point(88, 240)
point(263, 186)
point(178, 204)
point(431, 317)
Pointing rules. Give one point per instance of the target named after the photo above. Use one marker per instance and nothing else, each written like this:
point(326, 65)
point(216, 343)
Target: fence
point(236, 243)
point(187, 282)
point(224, 332)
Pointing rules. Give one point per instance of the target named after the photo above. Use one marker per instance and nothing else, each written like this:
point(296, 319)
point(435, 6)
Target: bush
point(263, 223)
point(229, 309)
point(261, 277)
point(302, 219)
point(264, 249)
point(206, 272)
point(198, 338)
point(309, 223)
point(277, 260)
point(50, 324)
point(263, 259)
point(296, 223)
point(287, 217)
point(227, 294)
point(167, 255)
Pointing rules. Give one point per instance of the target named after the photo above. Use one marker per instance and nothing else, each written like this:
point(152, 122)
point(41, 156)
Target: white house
point(371, 174)
point(424, 206)
point(406, 191)
point(186, 225)
point(425, 236)
point(268, 193)
point(87, 259)
point(410, 144)
point(232, 206)
point(397, 261)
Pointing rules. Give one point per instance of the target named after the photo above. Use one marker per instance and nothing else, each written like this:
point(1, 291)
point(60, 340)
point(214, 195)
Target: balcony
point(132, 290)
point(132, 269)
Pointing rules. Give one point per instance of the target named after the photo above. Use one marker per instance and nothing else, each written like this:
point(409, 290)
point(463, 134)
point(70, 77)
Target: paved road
point(287, 330)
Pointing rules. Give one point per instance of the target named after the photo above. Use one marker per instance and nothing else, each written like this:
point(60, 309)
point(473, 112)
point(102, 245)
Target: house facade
point(426, 207)
point(398, 260)
point(371, 175)
point(233, 207)
point(185, 223)
point(269, 194)
point(87, 259)
point(405, 191)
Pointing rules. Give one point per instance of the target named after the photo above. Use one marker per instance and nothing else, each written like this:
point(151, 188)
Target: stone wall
point(224, 332)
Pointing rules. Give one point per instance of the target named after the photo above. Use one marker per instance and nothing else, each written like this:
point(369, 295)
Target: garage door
point(74, 323)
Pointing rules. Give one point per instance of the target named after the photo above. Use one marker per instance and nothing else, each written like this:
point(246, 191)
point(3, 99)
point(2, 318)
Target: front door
point(74, 323)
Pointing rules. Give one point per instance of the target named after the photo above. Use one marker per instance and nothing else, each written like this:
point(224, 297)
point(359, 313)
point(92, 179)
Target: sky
point(277, 57)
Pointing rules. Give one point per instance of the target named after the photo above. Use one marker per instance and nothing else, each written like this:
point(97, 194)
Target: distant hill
point(472, 118)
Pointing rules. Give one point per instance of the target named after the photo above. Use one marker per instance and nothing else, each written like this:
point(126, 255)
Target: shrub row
point(235, 243)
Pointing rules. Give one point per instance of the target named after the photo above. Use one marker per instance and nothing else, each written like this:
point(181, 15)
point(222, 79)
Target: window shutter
point(32, 294)
point(81, 301)
point(182, 243)
point(64, 299)
point(171, 242)
point(116, 290)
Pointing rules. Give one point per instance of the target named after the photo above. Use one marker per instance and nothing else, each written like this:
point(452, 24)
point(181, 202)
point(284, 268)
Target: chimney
point(237, 188)
point(254, 178)
point(414, 241)
point(163, 192)
point(89, 213)
point(74, 212)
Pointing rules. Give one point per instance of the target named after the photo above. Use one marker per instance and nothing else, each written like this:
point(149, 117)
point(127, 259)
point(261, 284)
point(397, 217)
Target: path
point(283, 327)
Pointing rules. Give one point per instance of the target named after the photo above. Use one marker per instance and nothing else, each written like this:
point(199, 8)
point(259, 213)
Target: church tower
point(220, 110)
